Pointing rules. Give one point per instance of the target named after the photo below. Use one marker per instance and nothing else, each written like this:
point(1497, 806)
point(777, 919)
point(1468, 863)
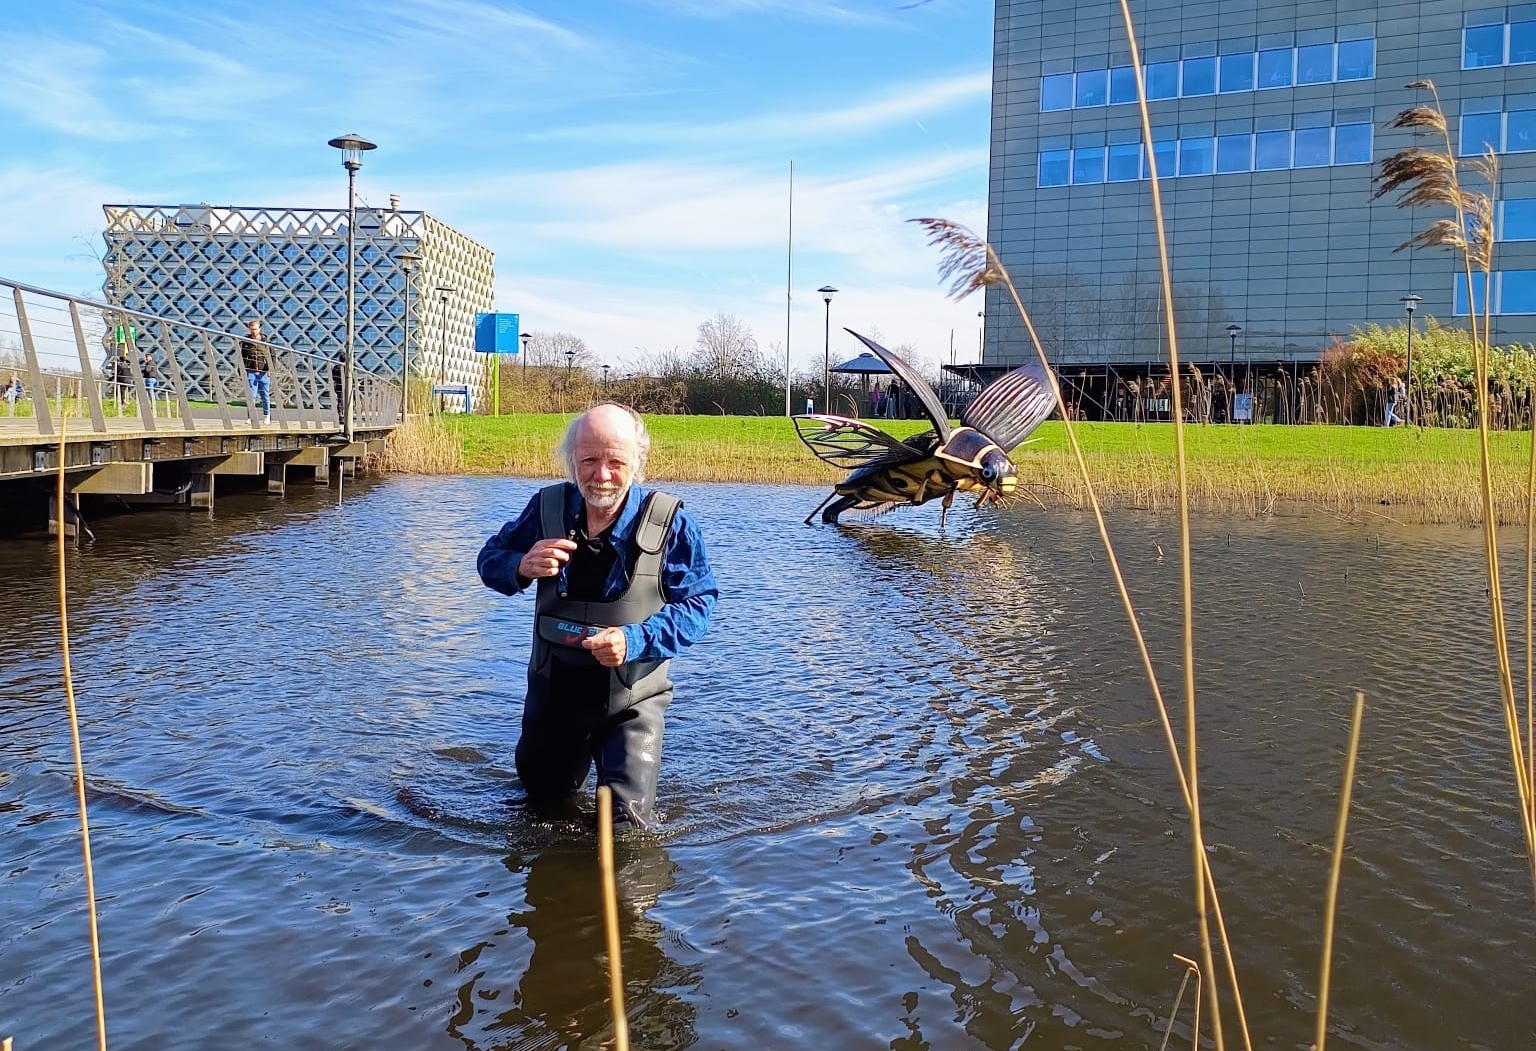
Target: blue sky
point(627, 160)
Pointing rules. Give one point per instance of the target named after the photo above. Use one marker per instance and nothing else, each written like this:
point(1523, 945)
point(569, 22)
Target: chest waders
point(578, 712)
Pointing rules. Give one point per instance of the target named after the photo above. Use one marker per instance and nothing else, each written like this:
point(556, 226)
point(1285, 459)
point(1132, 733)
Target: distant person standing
point(13, 392)
point(257, 358)
point(122, 379)
point(151, 373)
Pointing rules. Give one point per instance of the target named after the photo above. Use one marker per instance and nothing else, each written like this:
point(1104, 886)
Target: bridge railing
point(63, 355)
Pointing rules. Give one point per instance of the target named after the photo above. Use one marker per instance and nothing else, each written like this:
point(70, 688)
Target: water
point(915, 794)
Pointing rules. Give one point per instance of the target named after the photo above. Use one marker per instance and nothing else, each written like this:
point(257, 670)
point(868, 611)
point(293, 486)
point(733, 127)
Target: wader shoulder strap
point(552, 510)
point(655, 521)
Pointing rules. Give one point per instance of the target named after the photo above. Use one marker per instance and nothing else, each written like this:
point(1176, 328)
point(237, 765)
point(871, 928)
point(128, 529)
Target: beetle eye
point(988, 474)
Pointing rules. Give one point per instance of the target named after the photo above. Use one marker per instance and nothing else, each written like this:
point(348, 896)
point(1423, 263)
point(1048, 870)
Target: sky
point(628, 161)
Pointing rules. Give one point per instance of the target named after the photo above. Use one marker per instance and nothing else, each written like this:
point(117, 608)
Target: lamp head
point(1233, 330)
point(352, 148)
point(1410, 301)
point(408, 261)
point(826, 293)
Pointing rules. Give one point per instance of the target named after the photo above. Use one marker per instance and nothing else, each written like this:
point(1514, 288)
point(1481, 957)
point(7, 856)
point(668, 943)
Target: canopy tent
point(866, 364)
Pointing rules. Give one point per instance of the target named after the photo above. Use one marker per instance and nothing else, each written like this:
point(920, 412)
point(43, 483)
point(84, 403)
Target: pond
point(915, 793)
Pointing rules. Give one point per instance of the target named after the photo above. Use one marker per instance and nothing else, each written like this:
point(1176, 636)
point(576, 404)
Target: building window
point(1271, 151)
point(1196, 156)
point(1166, 153)
point(1517, 292)
point(1479, 130)
point(1522, 42)
point(1092, 88)
point(1055, 167)
point(1122, 85)
point(1275, 67)
point(1482, 46)
point(1056, 92)
point(1478, 283)
point(1237, 72)
point(1517, 220)
point(1162, 80)
point(1312, 147)
point(1125, 162)
point(1314, 64)
point(1234, 153)
point(1357, 59)
point(1352, 144)
point(1520, 131)
point(1088, 165)
point(1199, 77)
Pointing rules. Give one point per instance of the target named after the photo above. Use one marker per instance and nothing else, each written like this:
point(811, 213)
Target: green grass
point(1406, 473)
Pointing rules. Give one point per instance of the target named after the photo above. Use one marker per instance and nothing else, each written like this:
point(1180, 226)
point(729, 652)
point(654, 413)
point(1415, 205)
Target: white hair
point(566, 450)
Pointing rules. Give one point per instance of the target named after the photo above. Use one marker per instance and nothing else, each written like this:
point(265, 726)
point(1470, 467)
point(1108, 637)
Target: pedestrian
point(623, 586)
point(1395, 391)
point(151, 373)
point(14, 392)
point(892, 399)
point(122, 379)
point(256, 355)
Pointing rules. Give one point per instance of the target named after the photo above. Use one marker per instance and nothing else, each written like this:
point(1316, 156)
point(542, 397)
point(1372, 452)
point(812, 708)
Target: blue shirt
point(685, 574)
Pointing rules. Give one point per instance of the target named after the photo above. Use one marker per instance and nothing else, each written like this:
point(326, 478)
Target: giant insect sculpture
point(973, 457)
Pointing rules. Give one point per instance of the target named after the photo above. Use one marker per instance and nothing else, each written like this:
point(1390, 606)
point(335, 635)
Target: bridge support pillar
point(71, 524)
point(200, 496)
point(277, 474)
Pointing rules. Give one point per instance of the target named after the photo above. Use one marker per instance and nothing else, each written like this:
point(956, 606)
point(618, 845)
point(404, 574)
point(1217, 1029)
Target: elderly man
point(623, 586)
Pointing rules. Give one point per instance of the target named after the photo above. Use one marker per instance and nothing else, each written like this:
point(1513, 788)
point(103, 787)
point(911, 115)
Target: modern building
point(1269, 122)
point(220, 266)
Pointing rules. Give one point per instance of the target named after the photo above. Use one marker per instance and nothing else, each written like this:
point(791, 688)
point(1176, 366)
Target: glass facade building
point(1269, 122)
point(222, 266)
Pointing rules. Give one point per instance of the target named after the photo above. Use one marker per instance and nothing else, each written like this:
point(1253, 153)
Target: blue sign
point(496, 333)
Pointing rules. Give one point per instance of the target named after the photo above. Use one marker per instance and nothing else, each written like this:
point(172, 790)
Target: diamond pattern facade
point(222, 266)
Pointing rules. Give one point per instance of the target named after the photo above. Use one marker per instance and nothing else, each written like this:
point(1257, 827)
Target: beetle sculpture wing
point(973, 457)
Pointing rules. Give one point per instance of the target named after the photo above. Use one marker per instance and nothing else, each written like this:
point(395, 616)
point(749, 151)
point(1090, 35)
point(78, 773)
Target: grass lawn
point(1411, 474)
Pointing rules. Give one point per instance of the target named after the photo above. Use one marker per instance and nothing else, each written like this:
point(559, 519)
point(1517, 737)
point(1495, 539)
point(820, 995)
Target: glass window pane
point(1357, 59)
point(1519, 221)
point(1163, 80)
point(1196, 156)
point(1199, 77)
point(1478, 283)
point(1237, 72)
point(1520, 131)
point(1522, 42)
point(1166, 153)
point(1312, 147)
point(1517, 292)
point(1122, 85)
point(1088, 164)
point(1234, 153)
point(1314, 64)
point(1056, 92)
point(1275, 68)
point(1480, 128)
point(1093, 87)
point(1055, 167)
point(1271, 150)
point(1125, 162)
point(1482, 46)
point(1352, 144)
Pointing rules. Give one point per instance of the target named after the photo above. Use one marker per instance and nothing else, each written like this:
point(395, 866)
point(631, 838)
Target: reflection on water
point(914, 792)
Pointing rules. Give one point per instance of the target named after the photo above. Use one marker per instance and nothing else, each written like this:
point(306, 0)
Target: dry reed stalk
point(74, 735)
point(1190, 967)
point(1433, 177)
point(422, 445)
point(1330, 910)
point(611, 917)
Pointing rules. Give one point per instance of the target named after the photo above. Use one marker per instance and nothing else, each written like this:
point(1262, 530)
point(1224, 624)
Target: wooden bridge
point(178, 416)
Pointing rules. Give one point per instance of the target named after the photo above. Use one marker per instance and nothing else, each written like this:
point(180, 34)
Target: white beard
point(604, 498)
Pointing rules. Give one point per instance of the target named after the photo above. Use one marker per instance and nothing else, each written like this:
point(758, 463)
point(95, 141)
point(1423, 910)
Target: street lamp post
point(570, 356)
point(408, 262)
point(525, 337)
point(981, 335)
point(827, 292)
point(443, 292)
point(1232, 331)
point(605, 381)
point(352, 148)
point(1410, 303)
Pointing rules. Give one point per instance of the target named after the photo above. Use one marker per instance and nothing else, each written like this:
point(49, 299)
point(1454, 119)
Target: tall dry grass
point(423, 445)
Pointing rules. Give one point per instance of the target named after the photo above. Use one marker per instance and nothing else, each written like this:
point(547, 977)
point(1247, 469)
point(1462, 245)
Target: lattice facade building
point(222, 266)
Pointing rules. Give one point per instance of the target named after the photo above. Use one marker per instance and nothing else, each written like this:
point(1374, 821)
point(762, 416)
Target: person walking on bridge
point(624, 585)
point(257, 358)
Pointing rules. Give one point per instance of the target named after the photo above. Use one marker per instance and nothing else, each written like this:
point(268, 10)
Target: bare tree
point(549, 348)
point(725, 347)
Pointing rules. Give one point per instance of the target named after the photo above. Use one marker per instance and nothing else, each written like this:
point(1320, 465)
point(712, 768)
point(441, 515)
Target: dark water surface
point(915, 793)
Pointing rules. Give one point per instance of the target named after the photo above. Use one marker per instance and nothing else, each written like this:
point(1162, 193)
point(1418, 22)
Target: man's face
point(254, 328)
point(605, 462)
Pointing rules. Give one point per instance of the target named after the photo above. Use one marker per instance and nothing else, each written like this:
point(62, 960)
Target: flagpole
point(789, 281)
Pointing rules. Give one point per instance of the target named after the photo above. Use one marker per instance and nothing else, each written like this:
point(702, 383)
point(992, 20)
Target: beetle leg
point(819, 506)
point(949, 498)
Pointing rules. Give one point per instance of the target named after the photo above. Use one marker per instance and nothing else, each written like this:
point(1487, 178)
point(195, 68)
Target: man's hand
point(545, 558)
point(607, 646)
